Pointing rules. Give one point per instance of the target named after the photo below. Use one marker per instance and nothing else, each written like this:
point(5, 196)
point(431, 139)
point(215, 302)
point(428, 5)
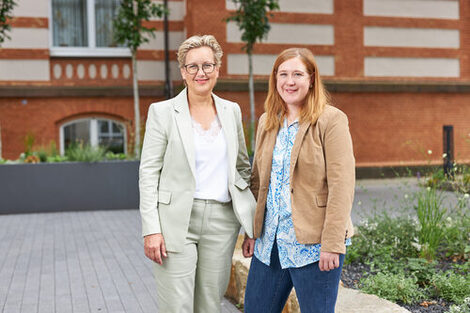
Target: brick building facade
point(400, 70)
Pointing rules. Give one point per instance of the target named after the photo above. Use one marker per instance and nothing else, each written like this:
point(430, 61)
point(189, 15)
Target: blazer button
point(292, 190)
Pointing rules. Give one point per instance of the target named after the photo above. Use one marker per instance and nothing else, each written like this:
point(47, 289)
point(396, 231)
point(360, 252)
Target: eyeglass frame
point(200, 67)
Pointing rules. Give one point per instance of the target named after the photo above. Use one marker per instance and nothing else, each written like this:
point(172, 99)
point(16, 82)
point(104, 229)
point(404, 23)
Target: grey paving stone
point(76, 262)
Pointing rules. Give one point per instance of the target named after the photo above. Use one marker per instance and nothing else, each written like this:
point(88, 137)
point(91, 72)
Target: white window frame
point(91, 50)
point(94, 133)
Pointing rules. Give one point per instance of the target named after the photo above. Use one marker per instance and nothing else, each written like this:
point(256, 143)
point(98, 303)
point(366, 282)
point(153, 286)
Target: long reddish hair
point(315, 101)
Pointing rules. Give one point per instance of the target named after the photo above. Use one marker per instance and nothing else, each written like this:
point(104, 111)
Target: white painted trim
point(443, 9)
point(91, 25)
point(94, 132)
point(411, 67)
point(411, 37)
point(88, 52)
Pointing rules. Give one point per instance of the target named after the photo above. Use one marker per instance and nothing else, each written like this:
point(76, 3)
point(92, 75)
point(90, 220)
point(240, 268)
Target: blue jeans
point(268, 287)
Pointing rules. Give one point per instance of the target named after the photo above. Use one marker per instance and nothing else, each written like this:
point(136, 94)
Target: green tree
point(6, 9)
point(252, 19)
point(130, 31)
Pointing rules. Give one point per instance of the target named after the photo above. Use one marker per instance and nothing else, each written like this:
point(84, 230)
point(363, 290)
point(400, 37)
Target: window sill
point(89, 52)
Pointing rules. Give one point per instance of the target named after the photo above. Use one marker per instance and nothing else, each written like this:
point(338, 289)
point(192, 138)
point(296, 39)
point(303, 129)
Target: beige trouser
point(196, 279)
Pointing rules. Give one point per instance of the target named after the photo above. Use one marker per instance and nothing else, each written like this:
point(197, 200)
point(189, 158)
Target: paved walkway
point(76, 262)
point(94, 262)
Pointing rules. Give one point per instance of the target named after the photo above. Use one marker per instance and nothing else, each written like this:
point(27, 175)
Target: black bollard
point(448, 140)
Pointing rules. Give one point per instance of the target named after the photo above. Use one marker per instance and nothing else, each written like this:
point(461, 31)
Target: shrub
point(463, 308)
point(430, 216)
point(451, 286)
point(393, 287)
point(84, 153)
point(383, 237)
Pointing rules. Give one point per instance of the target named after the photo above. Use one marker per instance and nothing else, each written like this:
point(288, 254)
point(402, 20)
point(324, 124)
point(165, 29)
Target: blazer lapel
point(230, 137)
point(267, 155)
point(184, 123)
point(303, 127)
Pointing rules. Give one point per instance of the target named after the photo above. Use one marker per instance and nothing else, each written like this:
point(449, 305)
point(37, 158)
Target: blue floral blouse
point(278, 223)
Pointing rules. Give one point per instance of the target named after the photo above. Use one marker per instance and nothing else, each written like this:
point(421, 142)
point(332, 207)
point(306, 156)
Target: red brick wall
point(42, 117)
point(393, 129)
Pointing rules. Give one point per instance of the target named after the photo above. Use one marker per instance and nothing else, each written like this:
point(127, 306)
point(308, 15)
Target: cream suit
point(167, 185)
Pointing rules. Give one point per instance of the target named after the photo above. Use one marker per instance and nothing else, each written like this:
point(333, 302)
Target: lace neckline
point(211, 133)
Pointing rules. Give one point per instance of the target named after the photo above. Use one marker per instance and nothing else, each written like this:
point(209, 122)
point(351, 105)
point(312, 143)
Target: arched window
point(96, 132)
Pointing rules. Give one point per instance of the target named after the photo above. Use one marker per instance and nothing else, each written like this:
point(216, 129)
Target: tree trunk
point(136, 107)
point(251, 90)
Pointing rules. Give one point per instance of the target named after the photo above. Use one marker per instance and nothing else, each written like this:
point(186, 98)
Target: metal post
point(448, 141)
point(168, 85)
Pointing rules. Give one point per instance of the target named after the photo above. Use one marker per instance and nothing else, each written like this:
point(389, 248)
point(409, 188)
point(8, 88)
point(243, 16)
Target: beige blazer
point(322, 178)
point(167, 169)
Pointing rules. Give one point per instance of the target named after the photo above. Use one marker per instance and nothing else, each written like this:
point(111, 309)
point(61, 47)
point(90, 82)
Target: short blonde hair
point(197, 42)
point(315, 101)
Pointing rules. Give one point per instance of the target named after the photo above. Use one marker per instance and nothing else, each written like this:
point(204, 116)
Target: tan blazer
point(322, 178)
point(167, 169)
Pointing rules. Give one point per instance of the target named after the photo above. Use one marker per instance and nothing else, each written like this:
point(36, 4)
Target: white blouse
point(211, 162)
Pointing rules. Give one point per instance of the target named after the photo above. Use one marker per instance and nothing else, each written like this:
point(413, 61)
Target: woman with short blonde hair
point(194, 178)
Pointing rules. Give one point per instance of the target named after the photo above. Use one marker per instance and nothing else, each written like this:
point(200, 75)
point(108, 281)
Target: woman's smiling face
point(293, 81)
point(200, 82)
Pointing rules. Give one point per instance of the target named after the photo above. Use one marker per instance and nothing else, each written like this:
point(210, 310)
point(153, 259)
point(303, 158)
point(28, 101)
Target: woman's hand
point(328, 261)
point(154, 247)
point(248, 247)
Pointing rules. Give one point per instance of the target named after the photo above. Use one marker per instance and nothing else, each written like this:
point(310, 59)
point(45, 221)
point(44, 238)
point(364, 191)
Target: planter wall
point(55, 187)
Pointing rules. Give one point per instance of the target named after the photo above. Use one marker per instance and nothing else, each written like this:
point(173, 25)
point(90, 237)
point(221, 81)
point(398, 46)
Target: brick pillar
point(349, 38)
point(465, 39)
point(206, 17)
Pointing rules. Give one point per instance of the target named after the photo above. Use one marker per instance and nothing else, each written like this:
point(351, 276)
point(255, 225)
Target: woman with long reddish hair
point(303, 179)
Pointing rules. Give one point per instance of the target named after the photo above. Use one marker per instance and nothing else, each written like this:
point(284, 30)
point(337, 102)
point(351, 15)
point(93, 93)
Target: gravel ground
point(352, 273)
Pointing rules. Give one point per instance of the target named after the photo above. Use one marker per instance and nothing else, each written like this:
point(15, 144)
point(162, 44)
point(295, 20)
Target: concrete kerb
point(349, 300)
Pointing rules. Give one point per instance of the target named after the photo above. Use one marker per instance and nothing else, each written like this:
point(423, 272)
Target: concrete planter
point(54, 187)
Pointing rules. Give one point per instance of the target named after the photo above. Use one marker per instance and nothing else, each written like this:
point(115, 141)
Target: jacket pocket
point(164, 196)
point(322, 199)
point(241, 184)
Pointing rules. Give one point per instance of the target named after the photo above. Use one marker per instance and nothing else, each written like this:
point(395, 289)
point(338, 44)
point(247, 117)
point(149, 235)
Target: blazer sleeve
point(340, 173)
point(151, 162)
point(243, 162)
point(254, 173)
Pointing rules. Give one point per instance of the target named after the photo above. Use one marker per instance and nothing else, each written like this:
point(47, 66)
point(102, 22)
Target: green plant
point(456, 238)
point(430, 216)
point(382, 237)
point(393, 287)
point(462, 308)
point(6, 10)
point(422, 270)
point(130, 30)
point(251, 17)
point(451, 286)
point(114, 156)
point(28, 143)
point(84, 153)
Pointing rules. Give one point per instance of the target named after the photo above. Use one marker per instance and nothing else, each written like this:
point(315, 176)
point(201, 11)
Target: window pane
point(69, 23)
point(103, 126)
point(105, 11)
point(113, 144)
point(117, 129)
point(111, 140)
point(77, 132)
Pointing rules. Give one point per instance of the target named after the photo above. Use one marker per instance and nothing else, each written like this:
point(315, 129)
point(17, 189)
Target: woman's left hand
point(248, 247)
point(328, 261)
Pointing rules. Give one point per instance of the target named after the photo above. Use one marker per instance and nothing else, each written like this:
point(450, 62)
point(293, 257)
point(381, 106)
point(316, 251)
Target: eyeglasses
point(192, 69)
